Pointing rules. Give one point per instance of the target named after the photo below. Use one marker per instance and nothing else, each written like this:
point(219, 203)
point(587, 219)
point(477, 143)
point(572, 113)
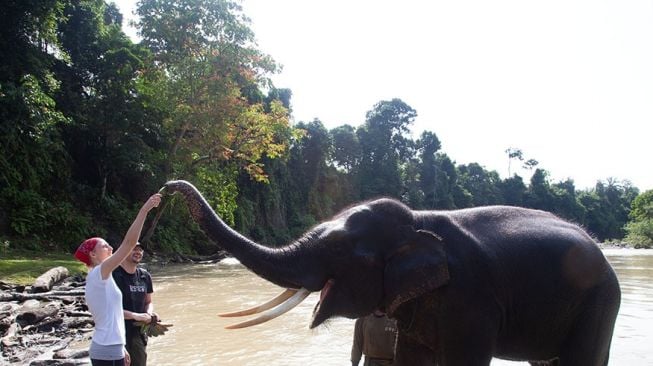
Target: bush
point(640, 233)
point(43, 222)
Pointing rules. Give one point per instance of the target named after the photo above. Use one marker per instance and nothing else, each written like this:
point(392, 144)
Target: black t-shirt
point(134, 287)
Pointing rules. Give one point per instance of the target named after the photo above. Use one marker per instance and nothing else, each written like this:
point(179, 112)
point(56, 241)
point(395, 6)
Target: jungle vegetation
point(92, 123)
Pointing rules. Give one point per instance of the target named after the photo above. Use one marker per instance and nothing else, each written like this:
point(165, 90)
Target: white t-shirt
point(104, 301)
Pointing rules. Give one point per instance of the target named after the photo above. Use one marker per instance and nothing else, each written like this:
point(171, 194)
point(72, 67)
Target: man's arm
point(139, 317)
point(145, 317)
point(149, 306)
point(357, 344)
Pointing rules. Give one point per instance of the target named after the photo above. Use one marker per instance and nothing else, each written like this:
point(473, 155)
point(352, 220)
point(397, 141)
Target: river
point(191, 296)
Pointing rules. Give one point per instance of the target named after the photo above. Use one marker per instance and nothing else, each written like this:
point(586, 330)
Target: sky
point(568, 82)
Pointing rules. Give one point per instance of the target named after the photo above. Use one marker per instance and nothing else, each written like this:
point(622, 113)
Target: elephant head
point(367, 257)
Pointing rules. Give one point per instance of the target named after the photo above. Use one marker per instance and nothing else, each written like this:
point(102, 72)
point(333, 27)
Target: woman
point(103, 298)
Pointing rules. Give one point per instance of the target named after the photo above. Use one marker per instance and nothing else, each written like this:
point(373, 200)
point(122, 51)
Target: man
point(374, 336)
point(135, 283)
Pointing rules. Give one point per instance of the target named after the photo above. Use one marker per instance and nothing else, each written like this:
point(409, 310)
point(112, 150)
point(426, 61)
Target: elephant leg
point(410, 353)
point(468, 339)
point(470, 358)
point(589, 342)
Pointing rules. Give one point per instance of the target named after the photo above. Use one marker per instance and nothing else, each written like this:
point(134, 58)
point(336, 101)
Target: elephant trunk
point(279, 266)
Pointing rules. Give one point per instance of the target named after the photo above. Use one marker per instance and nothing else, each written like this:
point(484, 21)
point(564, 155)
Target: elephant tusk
point(293, 301)
point(259, 308)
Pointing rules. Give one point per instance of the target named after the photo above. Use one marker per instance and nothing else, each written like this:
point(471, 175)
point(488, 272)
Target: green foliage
point(431, 177)
point(483, 186)
point(346, 153)
point(45, 222)
point(639, 231)
point(205, 49)
point(383, 146)
point(29, 133)
point(607, 205)
point(642, 207)
point(566, 202)
point(221, 189)
point(513, 190)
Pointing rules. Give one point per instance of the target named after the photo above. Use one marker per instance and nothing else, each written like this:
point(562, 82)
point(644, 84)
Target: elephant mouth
point(277, 306)
point(325, 290)
point(318, 318)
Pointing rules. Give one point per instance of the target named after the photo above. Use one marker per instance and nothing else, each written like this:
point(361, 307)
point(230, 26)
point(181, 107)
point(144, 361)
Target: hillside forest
point(92, 123)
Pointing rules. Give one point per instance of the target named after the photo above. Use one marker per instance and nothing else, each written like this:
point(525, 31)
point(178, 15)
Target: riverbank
point(45, 328)
point(51, 325)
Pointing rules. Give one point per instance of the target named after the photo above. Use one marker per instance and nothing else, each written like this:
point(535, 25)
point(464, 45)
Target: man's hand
point(155, 317)
point(142, 317)
point(153, 329)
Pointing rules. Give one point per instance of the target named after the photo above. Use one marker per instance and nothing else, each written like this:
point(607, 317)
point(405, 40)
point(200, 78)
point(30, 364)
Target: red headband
point(82, 253)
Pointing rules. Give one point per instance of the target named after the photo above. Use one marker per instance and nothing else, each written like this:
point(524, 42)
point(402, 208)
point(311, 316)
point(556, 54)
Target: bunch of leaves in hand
point(154, 328)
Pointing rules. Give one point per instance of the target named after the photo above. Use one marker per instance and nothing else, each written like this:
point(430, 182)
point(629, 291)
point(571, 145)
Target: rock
point(76, 323)
point(58, 363)
point(34, 326)
point(67, 353)
point(30, 314)
point(11, 333)
point(45, 281)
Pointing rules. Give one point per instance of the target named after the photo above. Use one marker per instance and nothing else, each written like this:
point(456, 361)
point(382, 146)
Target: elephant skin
point(464, 285)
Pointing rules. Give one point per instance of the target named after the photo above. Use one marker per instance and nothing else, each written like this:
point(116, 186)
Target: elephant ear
point(417, 266)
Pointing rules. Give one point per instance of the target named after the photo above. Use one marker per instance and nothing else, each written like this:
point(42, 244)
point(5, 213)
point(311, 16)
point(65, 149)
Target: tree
point(539, 194)
point(346, 153)
point(34, 169)
point(642, 207)
point(639, 230)
point(513, 153)
point(482, 185)
point(608, 206)
point(308, 167)
point(214, 73)
point(428, 145)
point(530, 164)
point(216, 120)
point(29, 38)
point(513, 190)
point(114, 135)
point(447, 182)
point(384, 145)
point(566, 202)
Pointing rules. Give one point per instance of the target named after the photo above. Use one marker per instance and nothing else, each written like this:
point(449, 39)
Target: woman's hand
point(152, 202)
point(131, 238)
point(128, 359)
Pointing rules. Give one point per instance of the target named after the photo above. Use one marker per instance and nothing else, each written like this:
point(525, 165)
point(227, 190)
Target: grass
point(22, 268)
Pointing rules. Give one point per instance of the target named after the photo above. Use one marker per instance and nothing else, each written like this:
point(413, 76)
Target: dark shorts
point(108, 362)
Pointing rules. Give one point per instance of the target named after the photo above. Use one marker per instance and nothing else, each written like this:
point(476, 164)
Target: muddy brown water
point(191, 296)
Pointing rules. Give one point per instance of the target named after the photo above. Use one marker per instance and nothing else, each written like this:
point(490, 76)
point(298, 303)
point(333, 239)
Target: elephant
point(464, 285)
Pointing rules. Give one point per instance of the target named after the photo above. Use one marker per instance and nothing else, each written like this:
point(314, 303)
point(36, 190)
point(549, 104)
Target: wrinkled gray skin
point(464, 285)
